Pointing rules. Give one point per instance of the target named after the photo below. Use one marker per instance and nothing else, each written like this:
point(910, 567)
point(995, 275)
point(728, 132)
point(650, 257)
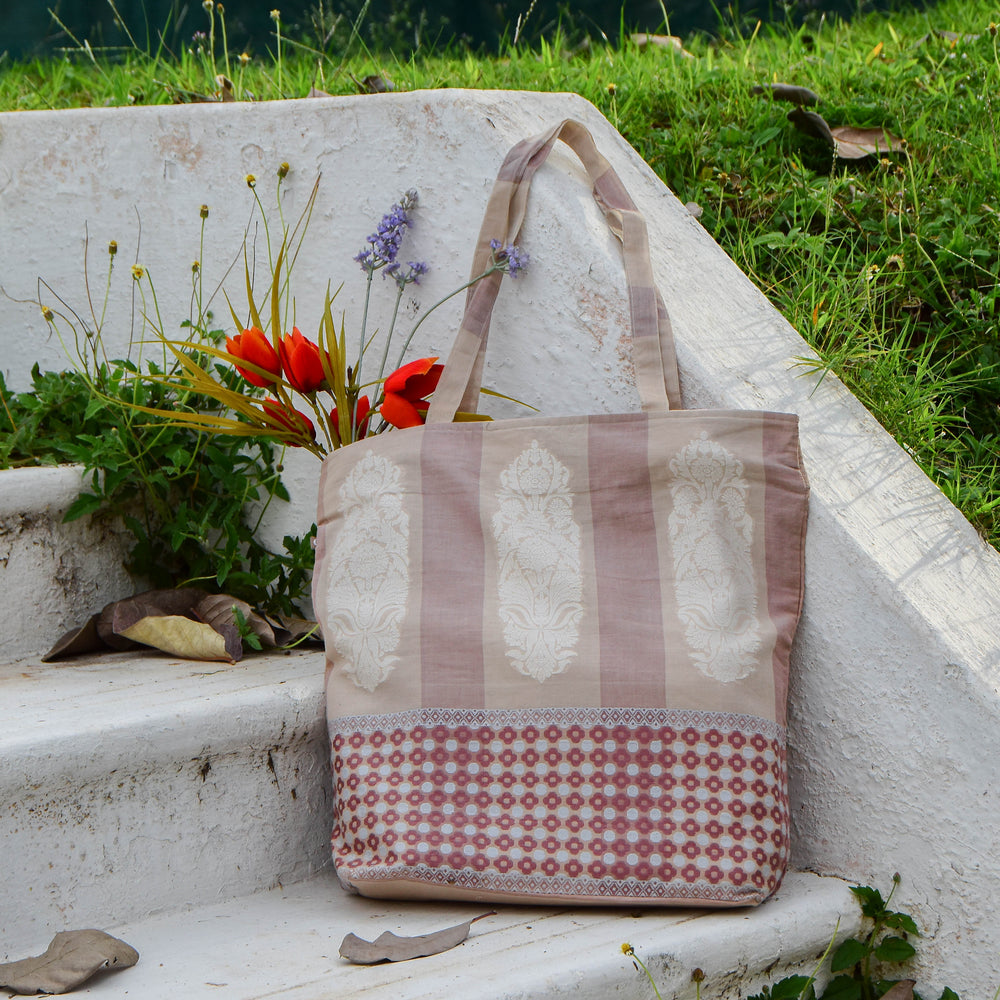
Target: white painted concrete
point(284, 944)
point(54, 575)
point(132, 784)
point(895, 712)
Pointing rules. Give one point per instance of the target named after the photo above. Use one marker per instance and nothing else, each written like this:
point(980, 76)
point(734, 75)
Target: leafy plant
point(861, 965)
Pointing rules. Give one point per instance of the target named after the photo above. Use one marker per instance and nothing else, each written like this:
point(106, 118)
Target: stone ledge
point(284, 945)
point(137, 783)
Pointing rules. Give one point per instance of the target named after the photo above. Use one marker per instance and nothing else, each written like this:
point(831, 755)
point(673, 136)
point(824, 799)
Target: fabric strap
point(652, 339)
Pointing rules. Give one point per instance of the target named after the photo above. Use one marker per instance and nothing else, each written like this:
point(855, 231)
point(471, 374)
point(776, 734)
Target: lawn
point(887, 264)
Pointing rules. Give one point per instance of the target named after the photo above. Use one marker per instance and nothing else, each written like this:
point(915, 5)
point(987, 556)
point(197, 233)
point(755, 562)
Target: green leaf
point(842, 988)
point(789, 987)
point(901, 922)
point(848, 955)
point(949, 994)
point(872, 903)
point(84, 504)
point(894, 949)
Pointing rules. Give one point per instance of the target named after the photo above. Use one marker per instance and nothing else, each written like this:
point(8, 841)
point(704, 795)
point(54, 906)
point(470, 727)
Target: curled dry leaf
point(217, 610)
point(643, 40)
point(852, 143)
point(787, 92)
point(903, 990)
point(389, 947)
point(848, 142)
point(183, 637)
point(71, 959)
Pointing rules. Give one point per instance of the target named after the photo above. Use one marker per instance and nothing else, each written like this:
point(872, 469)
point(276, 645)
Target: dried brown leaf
point(217, 610)
point(70, 959)
point(389, 947)
point(787, 92)
point(77, 641)
point(812, 123)
point(848, 141)
point(903, 990)
point(374, 85)
point(181, 636)
point(852, 143)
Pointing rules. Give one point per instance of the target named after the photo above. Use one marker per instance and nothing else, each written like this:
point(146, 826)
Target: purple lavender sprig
point(384, 243)
point(510, 259)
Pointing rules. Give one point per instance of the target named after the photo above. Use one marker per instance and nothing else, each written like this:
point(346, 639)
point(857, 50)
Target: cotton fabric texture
point(557, 648)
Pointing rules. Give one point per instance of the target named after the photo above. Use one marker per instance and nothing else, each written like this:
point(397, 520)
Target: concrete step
point(284, 944)
point(133, 784)
point(55, 575)
point(161, 799)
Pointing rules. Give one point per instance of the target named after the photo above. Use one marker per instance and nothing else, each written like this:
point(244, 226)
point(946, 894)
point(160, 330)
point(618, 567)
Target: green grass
point(887, 266)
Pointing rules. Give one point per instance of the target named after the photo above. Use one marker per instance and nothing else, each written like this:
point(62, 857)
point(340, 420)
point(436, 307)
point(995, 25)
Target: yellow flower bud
point(113, 247)
point(283, 170)
point(251, 181)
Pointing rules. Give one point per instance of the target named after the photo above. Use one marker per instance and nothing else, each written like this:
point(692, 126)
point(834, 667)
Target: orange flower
point(300, 360)
point(298, 423)
point(361, 418)
point(406, 390)
point(252, 346)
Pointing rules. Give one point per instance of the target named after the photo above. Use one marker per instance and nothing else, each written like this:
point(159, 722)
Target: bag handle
point(652, 339)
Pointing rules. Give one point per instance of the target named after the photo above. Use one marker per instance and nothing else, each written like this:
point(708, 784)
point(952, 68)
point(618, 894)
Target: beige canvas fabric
point(557, 649)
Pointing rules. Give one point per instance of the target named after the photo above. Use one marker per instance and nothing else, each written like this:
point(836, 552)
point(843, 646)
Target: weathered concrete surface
point(54, 575)
point(133, 784)
point(283, 945)
point(895, 711)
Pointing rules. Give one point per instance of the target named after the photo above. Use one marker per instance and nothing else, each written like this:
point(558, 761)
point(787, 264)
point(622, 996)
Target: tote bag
point(557, 648)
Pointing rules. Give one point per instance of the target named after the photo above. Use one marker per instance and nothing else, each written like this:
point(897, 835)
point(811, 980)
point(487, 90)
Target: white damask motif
point(539, 566)
point(711, 533)
point(369, 572)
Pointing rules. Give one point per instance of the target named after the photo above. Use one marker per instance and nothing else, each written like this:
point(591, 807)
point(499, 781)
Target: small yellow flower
point(244, 58)
point(196, 267)
point(612, 89)
point(872, 272)
point(993, 28)
point(137, 272)
point(275, 15)
point(207, 6)
point(220, 8)
point(627, 949)
point(47, 314)
point(283, 170)
point(251, 181)
point(113, 247)
point(204, 211)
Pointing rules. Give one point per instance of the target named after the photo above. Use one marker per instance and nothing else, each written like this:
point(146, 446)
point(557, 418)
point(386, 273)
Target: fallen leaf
point(389, 947)
point(852, 143)
point(694, 209)
point(297, 630)
point(848, 141)
point(643, 40)
point(79, 640)
point(903, 990)
point(787, 92)
point(314, 92)
point(71, 959)
point(217, 610)
point(181, 636)
point(812, 123)
point(374, 85)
